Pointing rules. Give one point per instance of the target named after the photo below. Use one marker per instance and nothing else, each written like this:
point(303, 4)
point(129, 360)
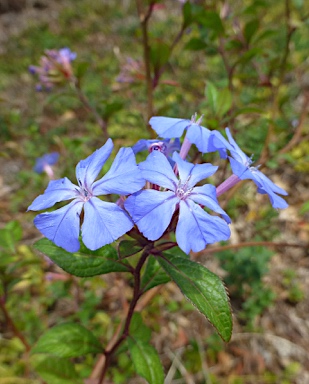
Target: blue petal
point(206, 196)
point(169, 127)
point(151, 211)
point(87, 170)
point(62, 225)
point(266, 186)
point(239, 169)
point(196, 172)
point(142, 145)
point(103, 223)
point(199, 136)
point(57, 190)
point(218, 143)
point(236, 152)
point(265, 183)
point(123, 178)
point(196, 228)
point(157, 169)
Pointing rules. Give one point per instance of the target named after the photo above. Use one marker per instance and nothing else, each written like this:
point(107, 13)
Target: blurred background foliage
point(242, 64)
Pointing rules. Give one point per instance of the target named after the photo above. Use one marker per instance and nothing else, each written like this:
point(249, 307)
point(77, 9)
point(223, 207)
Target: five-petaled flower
point(103, 221)
point(241, 167)
point(152, 210)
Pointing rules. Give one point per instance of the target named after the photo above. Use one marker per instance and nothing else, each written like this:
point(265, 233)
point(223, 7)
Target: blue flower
point(241, 167)
point(204, 139)
point(166, 146)
point(46, 160)
point(103, 221)
point(153, 210)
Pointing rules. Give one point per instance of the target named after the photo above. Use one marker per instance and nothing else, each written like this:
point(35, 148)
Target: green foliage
point(67, 340)
point(203, 288)
point(144, 356)
point(84, 263)
point(245, 269)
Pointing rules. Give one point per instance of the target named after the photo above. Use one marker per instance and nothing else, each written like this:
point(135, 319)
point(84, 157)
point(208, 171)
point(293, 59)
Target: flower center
point(182, 191)
point(84, 192)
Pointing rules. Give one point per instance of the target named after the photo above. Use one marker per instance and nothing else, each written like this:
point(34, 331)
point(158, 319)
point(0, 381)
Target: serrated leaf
point(146, 361)
point(84, 263)
point(138, 330)
point(56, 370)
point(128, 248)
point(154, 275)
point(203, 288)
point(67, 340)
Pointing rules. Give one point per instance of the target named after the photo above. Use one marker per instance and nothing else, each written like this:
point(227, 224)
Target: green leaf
point(187, 14)
point(159, 55)
point(146, 361)
point(138, 330)
point(203, 288)
point(224, 102)
point(67, 340)
point(212, 94)
point(250, 29)
point(55, 370)
point(128, 248)
point(84, 263)
point(154, 275)
point(195, 44)
point(211, 20)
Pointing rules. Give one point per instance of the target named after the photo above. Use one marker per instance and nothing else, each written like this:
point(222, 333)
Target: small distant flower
point(103, 221)
point(241, 167)
point(204, 139)
point(55, 68)
point(45, 163)
point(152, 210)
point(131, 71)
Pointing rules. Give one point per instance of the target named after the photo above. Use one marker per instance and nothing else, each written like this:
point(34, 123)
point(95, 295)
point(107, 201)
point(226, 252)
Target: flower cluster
point(160, 195)
point(55, 68)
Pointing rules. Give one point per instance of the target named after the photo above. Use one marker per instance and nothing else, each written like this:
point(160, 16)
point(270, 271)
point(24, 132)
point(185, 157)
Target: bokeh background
point(242, 64)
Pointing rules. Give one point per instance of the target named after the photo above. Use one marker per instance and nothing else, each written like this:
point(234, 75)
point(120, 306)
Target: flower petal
point(123, 178)
point(199, 136)
point(206, 196)
point(196, 228)
point(62, 225)
point(87, 170)
point(169, 127)
point(57, 190)
point(151, 211)
point(103, 223)
point(196, 172)
point(157, 169)
point(236, 152)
